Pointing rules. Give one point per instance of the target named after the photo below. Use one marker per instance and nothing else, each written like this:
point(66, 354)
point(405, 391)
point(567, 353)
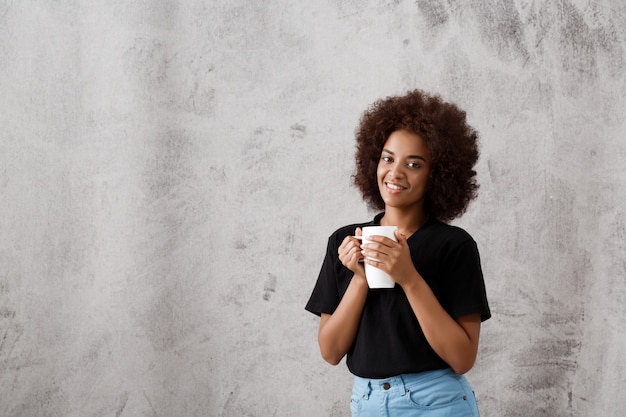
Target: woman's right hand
point(338, 330)
point(350, 254)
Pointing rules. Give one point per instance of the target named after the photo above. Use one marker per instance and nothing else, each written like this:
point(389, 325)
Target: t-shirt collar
point(376, 222)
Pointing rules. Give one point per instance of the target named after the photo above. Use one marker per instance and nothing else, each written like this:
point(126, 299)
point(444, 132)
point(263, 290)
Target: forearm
point(338, 330)
point(455, 343)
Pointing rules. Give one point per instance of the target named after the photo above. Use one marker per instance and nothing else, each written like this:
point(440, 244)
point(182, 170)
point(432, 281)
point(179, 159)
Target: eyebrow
point(408, 157)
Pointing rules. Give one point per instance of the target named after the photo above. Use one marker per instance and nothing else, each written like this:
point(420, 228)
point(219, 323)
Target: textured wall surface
point(170, 172)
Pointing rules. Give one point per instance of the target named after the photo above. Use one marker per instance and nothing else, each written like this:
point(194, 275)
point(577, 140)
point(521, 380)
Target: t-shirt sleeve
point(466, 285)
point(325, 297)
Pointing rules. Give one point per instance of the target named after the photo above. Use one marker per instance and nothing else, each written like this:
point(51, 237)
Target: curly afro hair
point(452, 143)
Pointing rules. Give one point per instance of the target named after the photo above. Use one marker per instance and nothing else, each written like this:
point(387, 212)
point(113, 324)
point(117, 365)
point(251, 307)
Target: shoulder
point(454, 232)
point(447, 235)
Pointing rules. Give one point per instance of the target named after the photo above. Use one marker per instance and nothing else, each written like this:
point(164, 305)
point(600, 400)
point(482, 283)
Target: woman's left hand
point(392, 257)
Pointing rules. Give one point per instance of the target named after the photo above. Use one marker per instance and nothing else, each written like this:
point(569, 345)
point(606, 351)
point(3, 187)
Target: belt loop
point(402, 385)
point(362, 387)
point(366, 395)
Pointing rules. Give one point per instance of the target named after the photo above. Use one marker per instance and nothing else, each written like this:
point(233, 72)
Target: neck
point(408, 222)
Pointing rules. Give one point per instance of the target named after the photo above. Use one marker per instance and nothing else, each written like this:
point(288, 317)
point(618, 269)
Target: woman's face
point(403, 171)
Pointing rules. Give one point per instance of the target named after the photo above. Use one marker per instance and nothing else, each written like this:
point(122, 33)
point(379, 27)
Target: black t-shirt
point(389, 340)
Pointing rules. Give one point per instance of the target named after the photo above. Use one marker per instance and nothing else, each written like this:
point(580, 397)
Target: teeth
point(394, 186)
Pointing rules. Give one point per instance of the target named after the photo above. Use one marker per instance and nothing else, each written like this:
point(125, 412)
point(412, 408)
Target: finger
point(373, 262)
point(375, 255)
point(347, 244)
point(344, 243)
point(400, 236)
point(350, 239)
point(382, 240)
point(354, 251)
point(376, 250)
point(348, 253)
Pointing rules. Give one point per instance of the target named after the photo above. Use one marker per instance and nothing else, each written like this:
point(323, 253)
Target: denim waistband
point(396, 384)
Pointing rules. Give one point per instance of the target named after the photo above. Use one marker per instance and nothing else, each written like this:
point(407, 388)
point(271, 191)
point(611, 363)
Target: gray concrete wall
point(170, 171)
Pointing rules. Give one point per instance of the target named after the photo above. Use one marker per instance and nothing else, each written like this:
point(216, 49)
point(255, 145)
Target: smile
point(394, 187)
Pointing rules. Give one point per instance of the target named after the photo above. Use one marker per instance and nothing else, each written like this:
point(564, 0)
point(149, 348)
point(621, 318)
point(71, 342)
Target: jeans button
point(386, 386)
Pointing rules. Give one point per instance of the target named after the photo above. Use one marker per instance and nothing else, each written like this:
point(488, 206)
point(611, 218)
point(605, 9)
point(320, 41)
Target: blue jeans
point(440, 393)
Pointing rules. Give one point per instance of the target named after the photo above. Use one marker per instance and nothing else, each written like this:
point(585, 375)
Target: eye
point(413, 165)
point(387, 159)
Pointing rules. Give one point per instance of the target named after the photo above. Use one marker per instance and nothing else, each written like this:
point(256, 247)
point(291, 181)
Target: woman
point(408, 347)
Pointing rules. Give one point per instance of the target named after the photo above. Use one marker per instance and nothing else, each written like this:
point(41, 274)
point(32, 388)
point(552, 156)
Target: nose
point(396, 171)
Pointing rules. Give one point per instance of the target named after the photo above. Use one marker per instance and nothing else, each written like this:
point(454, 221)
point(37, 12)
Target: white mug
point(377, 278)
